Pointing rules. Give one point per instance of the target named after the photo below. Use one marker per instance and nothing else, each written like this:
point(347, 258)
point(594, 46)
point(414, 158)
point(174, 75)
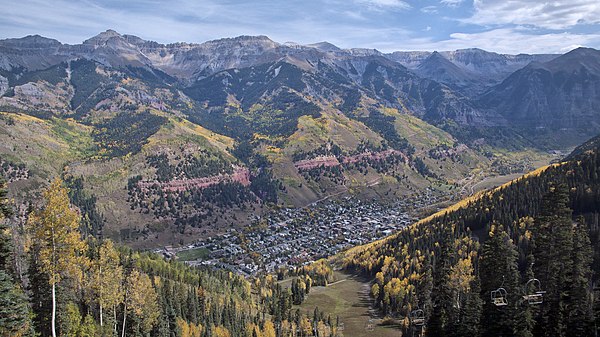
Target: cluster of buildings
point(293, 237)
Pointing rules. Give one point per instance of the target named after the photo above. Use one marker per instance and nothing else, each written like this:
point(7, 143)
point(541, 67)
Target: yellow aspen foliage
point(253, 329)
point(461, 275)
point(107, 278)
point(220, 331)
point(323, 329)
point(142, 299)
point(305, 326)
point(56, 232)
point(269, 329)
point(375, 290)
point(379, 278)
point(189, 329)
point(287, 328)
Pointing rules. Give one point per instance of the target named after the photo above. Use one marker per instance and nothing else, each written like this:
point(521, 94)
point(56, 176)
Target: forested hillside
point(55, 280)
point(520, 260)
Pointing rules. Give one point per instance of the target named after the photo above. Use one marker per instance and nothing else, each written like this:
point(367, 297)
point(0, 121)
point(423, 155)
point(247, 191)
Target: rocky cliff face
point(563, 93)
point(461, 86)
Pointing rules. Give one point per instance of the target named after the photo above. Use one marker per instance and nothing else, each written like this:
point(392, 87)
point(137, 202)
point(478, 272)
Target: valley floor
point(349, 299)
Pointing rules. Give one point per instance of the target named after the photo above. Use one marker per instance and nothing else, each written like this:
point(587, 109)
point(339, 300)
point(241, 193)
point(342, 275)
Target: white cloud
point(451, 3)
point(379, 5)
point(429, 9)
point(558, 14)
point(510, 41)
point(346, 26)
point(354, 15)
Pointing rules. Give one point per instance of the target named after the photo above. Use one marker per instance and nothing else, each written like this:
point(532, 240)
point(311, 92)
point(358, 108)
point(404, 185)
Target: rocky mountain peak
point(30, 41)
point(576, 59)
point(103, 37)
point(439, 68)
point(324, 46)
point(365, 52)
point(245, 40)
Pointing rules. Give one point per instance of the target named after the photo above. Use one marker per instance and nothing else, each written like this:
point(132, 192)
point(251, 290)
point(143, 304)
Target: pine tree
point(56, 235)
point(498, 269)
point(580, 318)
point(470, 312)
point(442, 294)
point(41, 294)
point(14, 309)
point(553, 242)
point(526, 323)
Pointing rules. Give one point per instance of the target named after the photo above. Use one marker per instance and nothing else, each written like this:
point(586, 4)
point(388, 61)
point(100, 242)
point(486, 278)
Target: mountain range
point(169, 140)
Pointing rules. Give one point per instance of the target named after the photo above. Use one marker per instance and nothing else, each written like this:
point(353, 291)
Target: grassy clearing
point(420, 133)
point(193, 254)
point(349, 299)
point(76, 135)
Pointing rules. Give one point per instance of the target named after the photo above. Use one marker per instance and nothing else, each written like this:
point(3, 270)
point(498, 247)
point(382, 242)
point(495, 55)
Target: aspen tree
point(56, 232)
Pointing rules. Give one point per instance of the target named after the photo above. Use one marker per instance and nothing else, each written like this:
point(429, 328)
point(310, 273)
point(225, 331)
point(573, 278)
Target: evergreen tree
point(470, 312)
point(580, 316)
point(41, 294)
point(14, 309)
point(442, 294)
point(526, 323)
point(498, 269)
point(553, 243)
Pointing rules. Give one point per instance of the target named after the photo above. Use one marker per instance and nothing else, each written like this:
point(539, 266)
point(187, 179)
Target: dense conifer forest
point(520, 260)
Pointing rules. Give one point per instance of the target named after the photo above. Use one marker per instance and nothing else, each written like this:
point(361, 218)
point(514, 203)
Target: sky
point(504, 26)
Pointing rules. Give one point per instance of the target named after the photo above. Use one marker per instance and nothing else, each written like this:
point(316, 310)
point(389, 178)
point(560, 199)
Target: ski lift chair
point(417, 317)
point(499, 297)
point(533, 292)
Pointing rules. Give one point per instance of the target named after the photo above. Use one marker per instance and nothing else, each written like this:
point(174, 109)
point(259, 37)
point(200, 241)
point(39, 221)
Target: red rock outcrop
point(240, 175)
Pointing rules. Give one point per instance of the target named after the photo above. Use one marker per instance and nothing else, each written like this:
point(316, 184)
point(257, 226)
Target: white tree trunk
point(124, 316)
point(101, 292)
point(115, 318)
point(54, 309)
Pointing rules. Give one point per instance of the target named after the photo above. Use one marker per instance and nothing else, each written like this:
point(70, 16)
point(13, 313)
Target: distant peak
point(103, 37)
point(258, 41)
point(577, 58)
point(472, 50)
point(436, 59)
point(583, 51)
point(324, 46)
point(245, 38)
point(365, 52)
point(31, 41)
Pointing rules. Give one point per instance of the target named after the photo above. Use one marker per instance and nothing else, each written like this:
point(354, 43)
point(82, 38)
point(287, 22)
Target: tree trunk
point(101, 322)
point(124, 316)
point(53, 285)
point(54, 309)
point(115, 318)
